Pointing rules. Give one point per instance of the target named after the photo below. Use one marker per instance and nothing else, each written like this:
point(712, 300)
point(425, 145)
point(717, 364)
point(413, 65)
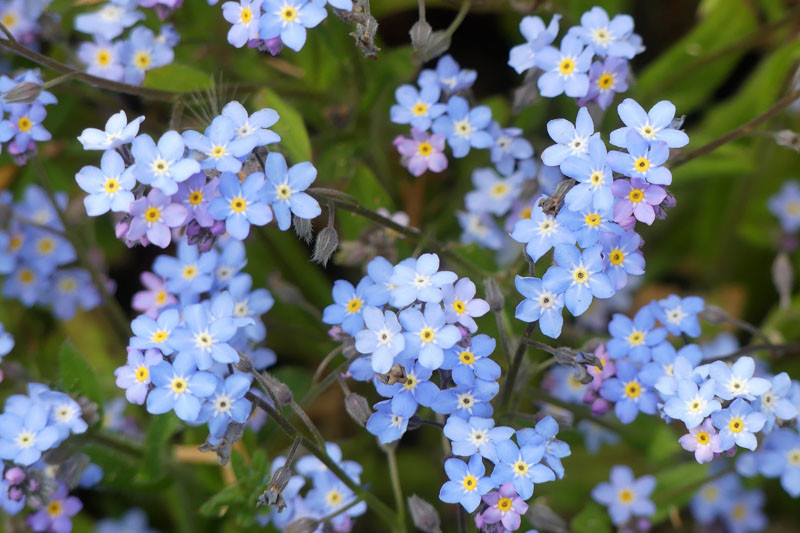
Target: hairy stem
point(513, 370)
point(397, 488)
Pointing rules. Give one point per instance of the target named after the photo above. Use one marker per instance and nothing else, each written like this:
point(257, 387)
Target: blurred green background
point(721, 62)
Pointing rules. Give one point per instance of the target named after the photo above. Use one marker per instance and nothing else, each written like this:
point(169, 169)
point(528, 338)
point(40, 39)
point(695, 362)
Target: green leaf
point(591, 519)
point(370, 193)
point(290, 126)
point(240, 468)
point(225, 497)
point(663, 443)
point(159, 432)
point(675, 486)
point(178, 78)
point(77, 377)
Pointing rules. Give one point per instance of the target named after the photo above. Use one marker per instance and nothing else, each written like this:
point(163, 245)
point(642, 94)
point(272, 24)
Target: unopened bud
point(494, 296)
point(245, 364)
point(302, 525)
point(23, 93)
point(424, 515)
point(426, 42)
point(714, 314)
point(90, 412)
point(122, 227)
point(788, 139)
point(544, 519)
point(358, 408)
point(327, 242)
point(302, 228)
point(582, 375)
point(565, 356)
point(783, 278)
point(15, 475)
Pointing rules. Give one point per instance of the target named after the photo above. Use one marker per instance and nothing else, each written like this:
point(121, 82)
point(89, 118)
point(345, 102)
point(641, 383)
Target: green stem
point(397, 488)
point(462, 12)
point(513, 370)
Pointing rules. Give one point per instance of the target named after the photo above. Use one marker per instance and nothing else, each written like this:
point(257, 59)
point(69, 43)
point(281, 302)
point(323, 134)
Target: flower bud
point(787, 139)
point(358, 408)
point(327, 242)
point(543, 518)
point(303, 229)
point(426, 42)
point(714, 314)
point(15, 475)
point(424, 515)
point(783, 278)
point(494, 296)
point(122, 227)
point(302, 525)
point(23, 93)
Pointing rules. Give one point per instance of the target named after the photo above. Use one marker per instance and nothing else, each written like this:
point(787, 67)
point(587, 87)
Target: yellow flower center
point(566, 66)
point(238, 204)
point(596, 178)
point(633, 389)
point(24, 124)
point(601, 36)
point(111, 186)
point(161, 297)
point(142, 60)
point(463, 128)
point(218, 151)
point(25, 439)
point(636, 338)
point(616, 257)
point(636, 195)
point(625, 495)
point(46, 245)
point(466, 357)
point(420, 108)
point(67, 285)
point(526, 213)
point(710, 494)
point(160, 166)
point(580, 275)
point(793, 457)
point(410, 382)
point(593, 220)
point(333, 498)
point(703, 438)
point(283, 192)
point(189, 272)
point(354, 305)
point(246, 15)
point(648, 132)
point(469, 483)
point(142, 373)
point(103, 58)
point(288, 13)
point(739, 512)
point(793, 208)
point(16, 243)
point(736, 425)
point(499, 190)
point(427, 334)
point(54, 508)
point(642, 164)
point(605, 81)
point(203, 340)
point(26, 276)
point(424, 148)
point(160, 336)
point(459, 307)
point(9, 20)
point(153, 214)
point(520, 468)
point(504, 504)
point(178, 385)
point(196, 198)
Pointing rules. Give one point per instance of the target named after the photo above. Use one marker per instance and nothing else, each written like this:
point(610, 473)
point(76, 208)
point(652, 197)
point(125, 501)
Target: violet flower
point(422, 152)
point(637, 198)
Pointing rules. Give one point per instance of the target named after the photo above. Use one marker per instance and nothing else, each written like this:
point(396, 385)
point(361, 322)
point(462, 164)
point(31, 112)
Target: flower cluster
point(595, 245)
point(37, 259)
point(22, 114)
point(434, 329)
point(200, 314)
point(116, 57)
point(571, 68)
point(313, 492)
point(191, 180)
point(21, 18)
point(270, 24)
point(725, 499)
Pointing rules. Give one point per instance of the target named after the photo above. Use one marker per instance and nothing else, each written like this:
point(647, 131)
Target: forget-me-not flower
point(737, 381)
point(109, 186)
point(285, 190)
point(135, 377)
point(626, 496)
point(467, 482)
point(565, 68)
point(163, 165)
point(737, 425)
point(523, 56)
point(382, 339)
point(180, 386)
point(579, 275)
point(289, 19)
point(240, 204)
point(117, 131)
point(417, 107)
point(465, 128)
point(428, 335)
point(642, 160)
point(653, 126)
point(419, 279)
point(223, 150)
point(571, 140)
point(540, 304)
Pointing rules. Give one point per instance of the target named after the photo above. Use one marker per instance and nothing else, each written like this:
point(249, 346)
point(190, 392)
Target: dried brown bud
point(396, 374)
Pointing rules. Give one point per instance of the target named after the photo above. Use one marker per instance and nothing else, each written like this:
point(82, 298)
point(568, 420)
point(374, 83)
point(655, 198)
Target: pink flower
point(150, 301)
point(422, 152)
point(703, 441)
point(505, 506)
point(637, 198)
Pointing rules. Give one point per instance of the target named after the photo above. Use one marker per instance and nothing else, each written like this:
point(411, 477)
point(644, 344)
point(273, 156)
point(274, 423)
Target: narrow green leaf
point(159, 432)
point(77, 377)
point(591, 519)
point(290, 126)
point(178, 78)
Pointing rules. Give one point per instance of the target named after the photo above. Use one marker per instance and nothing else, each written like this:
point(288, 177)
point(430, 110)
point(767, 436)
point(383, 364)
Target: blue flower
point(579, 275)
point(448, 75)
point(428, 335)
point(65, 414)
point(414, 390)
point(466, 401)
point(385, 424)
point(25, 435)
point(564, 69)
point(745, 512)
point(417, 107)
point(460, 304)
point(775, 402)
point(103, 59)
point(254, 125)
point(240, 204)
point(494, 194)
point(571, 140)
point(653, 126)
point(523, 56)
point(593, 177)
point(109, 186)
point(348, 306)
point(285, 190)
point(109, 21)
point(6, 341)
point(382, 339)
point(521, 466)
point(475, 435)
point(626, 496)
point(785, 205)
point(628, 393)
point(288, 19)
point(737, 381)
point(223, 150)
point(24, 125)
point(782, 459)
point(482, 229)
point(419, 279)
point(714, 498)
point(227, 403)
point(737, 423)
point(554, 450)
point(468, 363)
point(181, 387)
point(164, 165)
point(541, 232)
point(117, 132)
point(606, 79)
point(692, 405)
point(634, 338)
point(45, 250)
point(189, 273)
point(508, 147)
point(589, 224)
point(142, 52)
point(243, 15)
point(133, 521)
point(380, 271)
point(206, 333)
point(679, 315)
point(151, 333)
point(607, 38)
point(665, 371)
point(464, 127)
point(540, 304)
point(229, 263)
point(250, 304)
point(467, 482)
point(135, 376)
point(642, 160)
point(72, 289)
point(622, 257)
